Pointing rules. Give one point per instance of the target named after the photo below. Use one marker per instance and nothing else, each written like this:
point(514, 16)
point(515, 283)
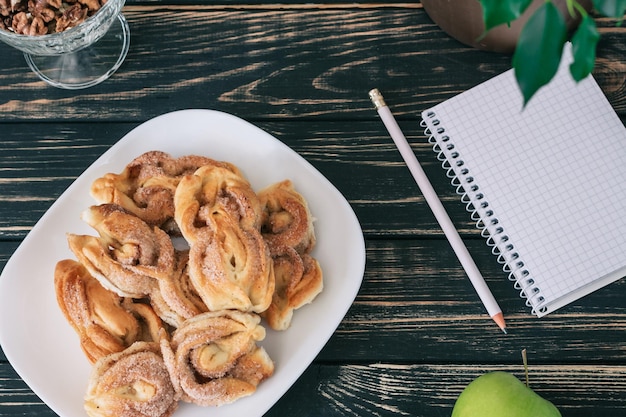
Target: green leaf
point(496, 12)
point(539, 48)
point(611, 8)
point(584, 44)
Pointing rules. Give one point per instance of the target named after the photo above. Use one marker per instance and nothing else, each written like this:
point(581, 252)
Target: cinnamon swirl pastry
point(213, 192)
point(298, 281)
point(287, 221)
point(176, 299)
point(166, 318)
point(146, 186)
point(213, 357)
point(104, 322)
point(128, 256)
point(131, 383)
point(231, 268)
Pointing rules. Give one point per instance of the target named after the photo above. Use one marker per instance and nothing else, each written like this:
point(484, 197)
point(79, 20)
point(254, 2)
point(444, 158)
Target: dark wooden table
point(416, 333)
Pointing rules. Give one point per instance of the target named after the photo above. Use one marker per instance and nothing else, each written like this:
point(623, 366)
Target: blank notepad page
point(552, 175)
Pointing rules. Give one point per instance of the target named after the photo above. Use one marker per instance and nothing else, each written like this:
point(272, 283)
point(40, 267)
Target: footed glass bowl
point(81, 56)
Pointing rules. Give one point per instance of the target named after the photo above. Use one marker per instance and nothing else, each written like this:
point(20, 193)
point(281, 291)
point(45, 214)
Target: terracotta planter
point(463, 20)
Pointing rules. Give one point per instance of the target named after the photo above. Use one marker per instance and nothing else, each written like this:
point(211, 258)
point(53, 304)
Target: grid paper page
point(551, 173)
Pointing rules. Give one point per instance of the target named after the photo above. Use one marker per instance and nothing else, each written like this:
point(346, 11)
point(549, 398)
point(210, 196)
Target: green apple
point(501, 394)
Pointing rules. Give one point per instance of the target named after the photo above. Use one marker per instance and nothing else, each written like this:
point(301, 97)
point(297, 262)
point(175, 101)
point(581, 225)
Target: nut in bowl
point(68, 45)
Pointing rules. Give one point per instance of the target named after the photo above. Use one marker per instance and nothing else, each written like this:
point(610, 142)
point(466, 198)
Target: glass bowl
point(81, 56)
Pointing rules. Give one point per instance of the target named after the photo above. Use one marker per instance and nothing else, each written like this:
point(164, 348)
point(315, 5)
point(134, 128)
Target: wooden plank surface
point(41, 160)
point(383, 389)
point(416, 305)
point(241, 60)
point(416, 334)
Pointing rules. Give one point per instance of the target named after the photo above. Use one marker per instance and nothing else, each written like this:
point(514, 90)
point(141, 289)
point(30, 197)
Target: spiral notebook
point(546, 184)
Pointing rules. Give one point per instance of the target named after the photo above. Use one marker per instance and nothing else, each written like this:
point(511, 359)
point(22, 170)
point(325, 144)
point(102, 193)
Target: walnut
point(71, 17)
point(92, 5)
point(5, 8)
point(45, 16)
point(24, 25)
point(38, 27)
point(10, 7)
point(18, 5)
point(19, 22)
point(42, 9)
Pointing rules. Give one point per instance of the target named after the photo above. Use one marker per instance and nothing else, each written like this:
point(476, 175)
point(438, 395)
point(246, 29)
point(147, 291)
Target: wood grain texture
point(430, 390)
point(41, 160)
point(384, 389)
point(244, 61)
point(416, 305)
point(416, 333)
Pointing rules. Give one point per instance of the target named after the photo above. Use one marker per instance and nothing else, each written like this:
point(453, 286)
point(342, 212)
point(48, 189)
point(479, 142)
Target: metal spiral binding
point(492, 231)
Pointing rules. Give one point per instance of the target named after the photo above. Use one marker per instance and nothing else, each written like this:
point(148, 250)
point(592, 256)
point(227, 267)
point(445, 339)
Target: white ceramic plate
point(45, 351)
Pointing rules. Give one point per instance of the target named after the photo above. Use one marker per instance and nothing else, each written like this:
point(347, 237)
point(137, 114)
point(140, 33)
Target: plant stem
point(573, 6)
point(525, 362)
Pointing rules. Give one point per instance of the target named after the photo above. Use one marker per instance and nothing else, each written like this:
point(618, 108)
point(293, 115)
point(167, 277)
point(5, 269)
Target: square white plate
point(45, 351)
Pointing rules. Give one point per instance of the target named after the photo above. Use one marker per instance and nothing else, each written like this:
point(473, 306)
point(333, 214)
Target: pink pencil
point(438, 210)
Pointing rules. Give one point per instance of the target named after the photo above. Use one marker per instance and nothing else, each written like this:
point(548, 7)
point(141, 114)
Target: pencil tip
point(499, 319)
